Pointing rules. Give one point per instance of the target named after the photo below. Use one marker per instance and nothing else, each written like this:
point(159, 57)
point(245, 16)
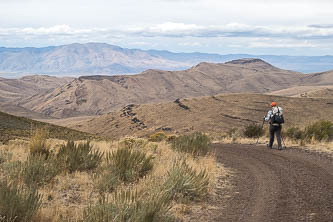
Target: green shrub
point(195, 144)
point(253, 131)
point(186, 183)
point(17, 204)
point(79, 157)
point(158, 137)
point(129, 205)
point(38, 142)
point(38, 170)
point(294, 133)
point(129, 165)
point(321, 131)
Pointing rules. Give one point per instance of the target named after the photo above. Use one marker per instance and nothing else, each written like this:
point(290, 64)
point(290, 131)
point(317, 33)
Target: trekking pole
point(262, 126)
point(283, 141)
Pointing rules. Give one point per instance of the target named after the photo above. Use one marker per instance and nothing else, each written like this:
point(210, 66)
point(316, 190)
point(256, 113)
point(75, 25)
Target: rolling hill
point(95, 95)
point(12, 127)
point(14, 90)
point(212, 114)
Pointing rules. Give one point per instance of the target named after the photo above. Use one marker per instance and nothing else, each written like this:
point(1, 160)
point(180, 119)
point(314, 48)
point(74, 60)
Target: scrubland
point(131, 179)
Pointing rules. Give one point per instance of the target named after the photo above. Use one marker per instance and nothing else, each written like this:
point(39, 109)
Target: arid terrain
point(96, 95)
point(212, 114)
point(238, 181)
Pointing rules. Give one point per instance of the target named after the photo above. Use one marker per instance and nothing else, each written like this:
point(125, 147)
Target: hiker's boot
point(279, 148)
point(268, 146)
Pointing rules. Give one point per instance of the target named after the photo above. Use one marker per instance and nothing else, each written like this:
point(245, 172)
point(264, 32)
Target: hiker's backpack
point(277, 117)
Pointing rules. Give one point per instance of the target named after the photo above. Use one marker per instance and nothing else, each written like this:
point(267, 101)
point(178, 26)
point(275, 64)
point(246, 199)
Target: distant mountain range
point(95, 95)
point(100, 58)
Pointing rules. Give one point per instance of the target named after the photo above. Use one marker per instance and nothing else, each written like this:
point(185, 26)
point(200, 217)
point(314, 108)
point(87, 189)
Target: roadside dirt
point(270, 185)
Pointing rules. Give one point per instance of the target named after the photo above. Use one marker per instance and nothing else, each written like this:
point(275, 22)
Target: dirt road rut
point(271, 185)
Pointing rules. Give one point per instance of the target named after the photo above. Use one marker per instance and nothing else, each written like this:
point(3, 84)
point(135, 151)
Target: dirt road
point(271, 185)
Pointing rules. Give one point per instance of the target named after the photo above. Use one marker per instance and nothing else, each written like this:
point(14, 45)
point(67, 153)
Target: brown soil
point(271, 185)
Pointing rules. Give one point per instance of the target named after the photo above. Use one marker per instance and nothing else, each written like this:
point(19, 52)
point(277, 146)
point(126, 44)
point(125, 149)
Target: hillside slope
point(14, 89)
point(212, 114)
point(94, 95)
point(12, 127)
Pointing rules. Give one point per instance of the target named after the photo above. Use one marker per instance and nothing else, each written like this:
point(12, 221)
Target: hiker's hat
point(273, 104)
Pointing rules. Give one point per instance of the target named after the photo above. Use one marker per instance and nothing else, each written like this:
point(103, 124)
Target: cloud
point(179, 30)
point(281, 44)
point(183, 36)
point(322, 26)
point(170, 29)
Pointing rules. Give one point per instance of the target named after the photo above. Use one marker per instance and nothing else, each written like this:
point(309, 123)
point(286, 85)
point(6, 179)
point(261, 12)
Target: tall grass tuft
point(295, 133)
point(129, 165)
point(184, 182)
point(321, 131)
point(38, 142)
point(18, 204)
point(106, 181)
point(253, 131)
point(196, 144)
point(79, 157)
point(38, 170)
point(129, 205)
point(4, 156)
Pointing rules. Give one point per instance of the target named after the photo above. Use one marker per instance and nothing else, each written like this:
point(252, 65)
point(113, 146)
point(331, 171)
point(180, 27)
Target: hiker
point(275, 118)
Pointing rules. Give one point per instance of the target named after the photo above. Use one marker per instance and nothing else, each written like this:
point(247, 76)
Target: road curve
point(271, 185)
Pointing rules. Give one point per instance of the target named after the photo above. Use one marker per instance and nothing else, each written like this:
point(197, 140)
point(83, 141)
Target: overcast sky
point(289, 27)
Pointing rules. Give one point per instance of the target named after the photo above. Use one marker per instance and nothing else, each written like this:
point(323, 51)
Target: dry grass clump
point(18, 203)
point(195, 144)
point(137, 180)
point(39, 170)
point(129, 165)
point(130, 205)
point(123, 165)
point(79, 157)
point(38, 142)
point(184, 182)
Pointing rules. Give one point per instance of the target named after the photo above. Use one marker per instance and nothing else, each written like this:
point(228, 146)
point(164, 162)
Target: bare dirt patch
point(270, 185)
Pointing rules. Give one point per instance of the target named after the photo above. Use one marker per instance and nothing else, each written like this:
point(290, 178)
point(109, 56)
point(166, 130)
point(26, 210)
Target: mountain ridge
point(100, 58)
point(96, 95)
